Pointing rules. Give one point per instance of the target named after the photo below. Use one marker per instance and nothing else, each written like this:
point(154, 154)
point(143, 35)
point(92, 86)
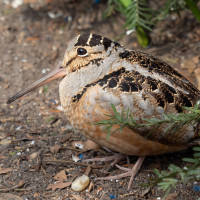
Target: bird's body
point(132, 80)
point(99, 73)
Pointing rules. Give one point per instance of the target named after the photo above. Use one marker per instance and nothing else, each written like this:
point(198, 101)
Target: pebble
point(80, 183)
point(60, 108)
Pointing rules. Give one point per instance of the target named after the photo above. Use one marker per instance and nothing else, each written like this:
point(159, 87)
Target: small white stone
point(44, 71)
point(34, 155)
point(75, 158)
point(80, 183)
point(60, 108)
point(130, 31)
point(18, 128)
point(17, 3)
point(24, 60)
point(79, 145)
point(32, 142)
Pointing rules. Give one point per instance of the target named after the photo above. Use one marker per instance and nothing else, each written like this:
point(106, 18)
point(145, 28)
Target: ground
point(36, 142)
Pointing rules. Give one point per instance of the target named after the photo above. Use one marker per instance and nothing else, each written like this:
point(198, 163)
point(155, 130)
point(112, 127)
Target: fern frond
point(167, 180)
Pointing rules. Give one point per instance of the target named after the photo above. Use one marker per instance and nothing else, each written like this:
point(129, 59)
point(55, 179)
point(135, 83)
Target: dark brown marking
point(134, 87)
point(112, 83)
point(178, 108)
point(125, 87)
point(185, 101)
point(95, 40)
point(125, 54)
point(168, 96)
point(152, 83)
point(104, 81)
point(96, 61)
point(82, 40)
point(128, 79)
point(107, 43)
point(161, 102)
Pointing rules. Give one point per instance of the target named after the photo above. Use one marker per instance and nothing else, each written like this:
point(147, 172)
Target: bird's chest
point(86, 107)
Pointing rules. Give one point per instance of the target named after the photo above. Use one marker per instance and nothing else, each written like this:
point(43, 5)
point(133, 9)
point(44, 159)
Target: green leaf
point(197, 155)
point(125, 3)
point(193, 7)
point(142, 37)
point(174, 168)
point(190, 160)
point(196, 148)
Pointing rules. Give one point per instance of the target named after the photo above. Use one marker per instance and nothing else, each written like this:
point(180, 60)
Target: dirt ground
point(36, 142)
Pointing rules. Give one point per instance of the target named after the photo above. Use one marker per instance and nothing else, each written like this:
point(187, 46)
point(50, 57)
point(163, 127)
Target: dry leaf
point(190, 64)
point(172, 196)
point(77, 197)
point(90, 145)
point(29, 39)
point(55, 149)
point(88, 170)
point(7, 196)
point(21, 183)
point(30, 137)
point(58, 185)
point(60, 176)
point(5, 170)
point(5, 141)
point(34, 155)
point(91, 186)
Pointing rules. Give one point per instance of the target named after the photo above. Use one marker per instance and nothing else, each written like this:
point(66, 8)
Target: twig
point(16, 187)
point(75, 163)
point(44, 172)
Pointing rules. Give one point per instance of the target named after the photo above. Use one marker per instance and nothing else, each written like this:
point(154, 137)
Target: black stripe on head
point(107, 43)
point(82, 40)
point(95, 40)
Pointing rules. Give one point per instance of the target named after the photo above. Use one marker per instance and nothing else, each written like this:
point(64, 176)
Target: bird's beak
point(56, 73)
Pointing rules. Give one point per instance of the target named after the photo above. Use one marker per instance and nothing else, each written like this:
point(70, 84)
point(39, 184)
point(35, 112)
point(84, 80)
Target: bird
point(98, 72)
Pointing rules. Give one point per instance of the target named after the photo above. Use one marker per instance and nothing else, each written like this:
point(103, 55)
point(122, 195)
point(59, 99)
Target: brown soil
point(31, 44)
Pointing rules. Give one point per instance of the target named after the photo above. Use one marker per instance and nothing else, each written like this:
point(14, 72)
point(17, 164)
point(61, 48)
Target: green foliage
point(173, 122)
point(50, 119)
point(117, 118)
point(136, 12)
point(141, 17)
point(193, 7)
point(167, 180)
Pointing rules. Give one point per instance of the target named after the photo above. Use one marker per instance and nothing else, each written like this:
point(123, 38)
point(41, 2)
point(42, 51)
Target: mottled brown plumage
point(99, 72)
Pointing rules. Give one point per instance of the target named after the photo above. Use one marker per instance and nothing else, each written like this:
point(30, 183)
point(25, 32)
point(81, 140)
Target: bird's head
point(87, 49)
point(84, 51)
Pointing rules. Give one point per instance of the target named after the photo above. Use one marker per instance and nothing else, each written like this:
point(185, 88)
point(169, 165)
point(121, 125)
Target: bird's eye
point(82, 52)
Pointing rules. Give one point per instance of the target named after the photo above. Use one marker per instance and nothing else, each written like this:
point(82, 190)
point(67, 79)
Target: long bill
point(56, 73)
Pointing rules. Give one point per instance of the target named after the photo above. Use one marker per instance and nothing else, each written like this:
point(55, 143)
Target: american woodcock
point(99, 72)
